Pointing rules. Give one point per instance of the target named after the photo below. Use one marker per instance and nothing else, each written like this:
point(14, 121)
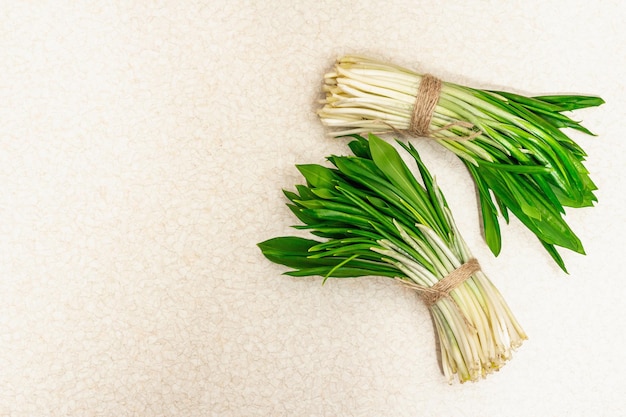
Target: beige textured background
point(143, 147)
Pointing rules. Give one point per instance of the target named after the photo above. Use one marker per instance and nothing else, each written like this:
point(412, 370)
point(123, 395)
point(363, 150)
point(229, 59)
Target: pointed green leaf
point(317, 175)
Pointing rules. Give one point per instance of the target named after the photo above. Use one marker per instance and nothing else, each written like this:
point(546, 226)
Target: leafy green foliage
point(541, 171)
point(355, 205)
point(374, 217)
point(515, 147)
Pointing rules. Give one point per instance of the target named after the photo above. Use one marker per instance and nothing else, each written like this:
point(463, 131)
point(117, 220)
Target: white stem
point(476, 329)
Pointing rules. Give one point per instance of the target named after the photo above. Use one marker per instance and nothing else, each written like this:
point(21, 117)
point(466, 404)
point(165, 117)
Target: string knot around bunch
point(426, 100)
point(443, 287)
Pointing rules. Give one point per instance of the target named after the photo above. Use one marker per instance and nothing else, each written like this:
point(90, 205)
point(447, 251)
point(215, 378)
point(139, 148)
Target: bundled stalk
point(512, 145)
point(375, 218)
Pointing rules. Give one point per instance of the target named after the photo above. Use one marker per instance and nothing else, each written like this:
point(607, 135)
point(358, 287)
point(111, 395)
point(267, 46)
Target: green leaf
point(360, 148)
point(293, 252)
point(489, 215)
point(344, 272)
point(335, 216)
point(288, 245)
point(317, 175)
point(555, 255)
point(324, 193)
point(531, 102)
point(305, 192)
point(298, 212)
point(365, 173)
point(388, 160)
point(519, 169)
point(291, 195)
point(572, 102)
point(437, 200)
point(330, 205)
point(391, 164)
point(548, 226)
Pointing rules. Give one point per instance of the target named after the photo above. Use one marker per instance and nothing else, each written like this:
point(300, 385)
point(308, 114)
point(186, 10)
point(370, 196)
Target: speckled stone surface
point(143, 148)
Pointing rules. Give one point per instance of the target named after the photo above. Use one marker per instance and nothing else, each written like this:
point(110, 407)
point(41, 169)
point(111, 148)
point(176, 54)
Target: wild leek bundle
point(512, 145)
point(375, 218)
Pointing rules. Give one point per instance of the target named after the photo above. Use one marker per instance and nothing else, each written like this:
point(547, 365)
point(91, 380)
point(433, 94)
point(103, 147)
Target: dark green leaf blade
point(317, 175)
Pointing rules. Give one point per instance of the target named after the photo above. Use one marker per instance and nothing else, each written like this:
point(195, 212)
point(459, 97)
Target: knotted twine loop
point(424, 107)
point(443, 287)
point(426, 101)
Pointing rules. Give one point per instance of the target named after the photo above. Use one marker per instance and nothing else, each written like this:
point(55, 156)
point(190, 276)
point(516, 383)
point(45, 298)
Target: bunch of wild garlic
point(375, 218)
point(512, 145)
